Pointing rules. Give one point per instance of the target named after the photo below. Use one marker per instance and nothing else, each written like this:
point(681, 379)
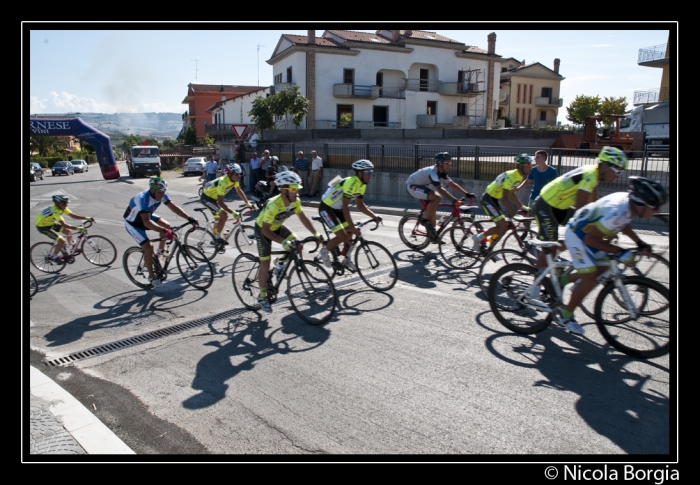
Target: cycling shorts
point(265, 244)
point(549, 219)
point(334, 218)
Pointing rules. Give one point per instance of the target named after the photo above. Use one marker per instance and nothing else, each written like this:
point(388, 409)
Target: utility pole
point(195, 68)
point(259, 46)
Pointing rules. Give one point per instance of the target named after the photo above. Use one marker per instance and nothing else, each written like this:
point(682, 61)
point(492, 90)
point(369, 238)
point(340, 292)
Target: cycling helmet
point(524, 158)
point(275, 158)
point(233, 167)
point(60, 199)
point(158, 183)
point(362, 165)
point(284, 180)
point(613, 156)
point(648, 191)
point(442, 157)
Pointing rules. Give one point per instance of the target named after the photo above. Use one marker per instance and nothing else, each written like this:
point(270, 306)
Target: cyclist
point(562, 196)
point(141, 215)
point(335, 209)
point(269, 227)
point(213, 198)
point(588, 237)
point(503, 189)
point(50, 222)
point(427, 184)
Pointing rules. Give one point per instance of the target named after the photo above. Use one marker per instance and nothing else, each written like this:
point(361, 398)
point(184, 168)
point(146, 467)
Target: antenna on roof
point(195, 68)
point(259, 46)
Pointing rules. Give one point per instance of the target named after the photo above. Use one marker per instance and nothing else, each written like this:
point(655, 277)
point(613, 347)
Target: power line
point(195, 68)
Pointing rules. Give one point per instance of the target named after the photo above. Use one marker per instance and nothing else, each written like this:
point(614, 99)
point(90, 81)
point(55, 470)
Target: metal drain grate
point(140, 339)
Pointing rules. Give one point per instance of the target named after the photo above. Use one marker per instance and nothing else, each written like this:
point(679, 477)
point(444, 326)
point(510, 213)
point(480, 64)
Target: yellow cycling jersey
point(219, 187)
point(348, 188)
point(560, 193)
point(51, 215)
point(275, 212)
point(505, 181)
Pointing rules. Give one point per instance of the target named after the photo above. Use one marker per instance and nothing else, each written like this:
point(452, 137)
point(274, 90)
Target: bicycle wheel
point(643, 337)
point(510, 241)
point(462, 257)
point(311, 292)
point(202, 240)
point(508, 286)
point(496, 260)
point(244, 238)
point(244, 277)
point(135, 267)
point(40, 256)
point(194, 267)
point(376, 266)
point(99, 250)
point(412, 233)
point(33, 285)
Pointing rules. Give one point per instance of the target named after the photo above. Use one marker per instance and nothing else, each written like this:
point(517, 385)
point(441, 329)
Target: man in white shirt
point(316, 173)
point(211, 167)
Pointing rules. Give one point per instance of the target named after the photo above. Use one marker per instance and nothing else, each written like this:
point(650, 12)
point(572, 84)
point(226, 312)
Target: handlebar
point(376, 224)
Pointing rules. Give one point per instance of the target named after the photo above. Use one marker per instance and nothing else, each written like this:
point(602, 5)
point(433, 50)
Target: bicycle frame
point(209, 226)
point(456, 213)
point(76, 241)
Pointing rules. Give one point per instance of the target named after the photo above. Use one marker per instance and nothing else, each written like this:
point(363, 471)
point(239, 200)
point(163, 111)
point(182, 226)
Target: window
point(531, 88)
point(461, 109)
point(380, 82)
point(431, 108)
point(348, 76)
point(517, 115)
point(278, 78)
point(504, 69)
point(289, 74)
point(380, 116)
point(344, 116)
point(423, 80)
point(543, 115)
point(529, 114)
point(518, 100)
point(547, 93)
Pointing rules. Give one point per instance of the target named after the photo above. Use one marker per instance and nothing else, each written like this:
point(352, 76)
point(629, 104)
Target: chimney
point(492, 43)
point(395, 35)
point(311, 37)
point(556, 65)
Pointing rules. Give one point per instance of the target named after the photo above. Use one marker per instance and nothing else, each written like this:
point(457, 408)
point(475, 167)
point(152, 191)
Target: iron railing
point(653, 53)
point(651, 96)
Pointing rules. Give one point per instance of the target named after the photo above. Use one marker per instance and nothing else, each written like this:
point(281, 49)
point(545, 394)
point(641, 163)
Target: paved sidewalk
point(60, 425)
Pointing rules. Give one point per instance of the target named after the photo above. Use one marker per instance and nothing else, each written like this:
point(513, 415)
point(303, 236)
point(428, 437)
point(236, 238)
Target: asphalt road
point(424, 369)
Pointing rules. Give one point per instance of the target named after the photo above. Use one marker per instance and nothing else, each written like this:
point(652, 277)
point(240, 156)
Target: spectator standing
point(253, 140)
point(266, 161)
point(255, 170)
point(316, 173)
point(540, 176)
point(271, 173)
point(301, 167)
point(211, 167)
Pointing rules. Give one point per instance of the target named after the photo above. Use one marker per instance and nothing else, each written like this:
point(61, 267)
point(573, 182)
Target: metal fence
point(468, 161)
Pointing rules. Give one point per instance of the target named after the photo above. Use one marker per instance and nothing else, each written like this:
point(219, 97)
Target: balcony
point(545, 102)
point(358, 125)
point(503, 99)
point(651, 96)
point(395, 92)
point(455, 89)
point(426, 85)
point(426, 121)
point(347, 90)
point(654, 56)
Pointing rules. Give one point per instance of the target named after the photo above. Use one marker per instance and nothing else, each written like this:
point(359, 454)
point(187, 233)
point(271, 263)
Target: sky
point(124, 68)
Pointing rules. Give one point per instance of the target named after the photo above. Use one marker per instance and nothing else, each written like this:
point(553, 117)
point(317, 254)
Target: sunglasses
point(616, 171)
point(369, 172)
point(292, 188)
point(161, 191)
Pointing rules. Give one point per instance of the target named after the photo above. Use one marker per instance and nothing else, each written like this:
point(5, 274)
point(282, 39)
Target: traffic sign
point(239, 130)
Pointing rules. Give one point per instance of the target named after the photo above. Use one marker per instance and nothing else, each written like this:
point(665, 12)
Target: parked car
point(194, 165)
point(79, 165)
point(64, 167)
point(35, 172)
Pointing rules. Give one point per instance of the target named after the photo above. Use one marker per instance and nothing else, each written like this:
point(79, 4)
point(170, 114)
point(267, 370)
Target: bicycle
point(33, 285)
point(375, 265)
point(203, 237)
point(517, 237)
point(97, 250)
point(196, 270)
point(309, 287)
point(416, 236)
point(631, 312)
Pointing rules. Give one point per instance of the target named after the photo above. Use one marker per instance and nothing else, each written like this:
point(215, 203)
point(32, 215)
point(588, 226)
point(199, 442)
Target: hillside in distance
point(158, 125)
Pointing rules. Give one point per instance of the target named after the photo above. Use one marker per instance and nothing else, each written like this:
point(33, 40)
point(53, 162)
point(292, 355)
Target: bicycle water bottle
point(280, 266)
point(492, 238)
point(442, 220)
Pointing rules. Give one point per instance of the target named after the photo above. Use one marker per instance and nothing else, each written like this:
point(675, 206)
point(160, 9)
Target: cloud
point(63, 102)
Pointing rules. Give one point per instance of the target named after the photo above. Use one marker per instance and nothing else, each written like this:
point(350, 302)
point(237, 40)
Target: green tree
point(291, 105)
point(346, 120)
point(190, 136)
point(207, 140)
point(581, 107)
point(612, 106)
point(44, 145)
point(261, 114)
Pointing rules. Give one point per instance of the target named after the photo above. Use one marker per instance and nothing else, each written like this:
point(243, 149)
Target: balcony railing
point(224, 129)
point(358, 125)
point(651, 96)
point(549, 102)
point(426, 120)
point(654, 53)
point(427, 85)
point(347, 90)
point(503, 99)
point(396, 92)
point(455, 88)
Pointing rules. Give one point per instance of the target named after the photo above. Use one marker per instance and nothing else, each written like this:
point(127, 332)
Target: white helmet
point(285, 179)
point(363, 165)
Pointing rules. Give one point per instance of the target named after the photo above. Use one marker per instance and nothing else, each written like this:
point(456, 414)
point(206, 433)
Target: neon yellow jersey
point(51, 215)
point(275, 212)
point(348, 188)
point(505, 181)
point(560, 193)
point(219, 187)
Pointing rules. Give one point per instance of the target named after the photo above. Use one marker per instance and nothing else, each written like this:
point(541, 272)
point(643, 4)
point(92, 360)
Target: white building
point(394, 79)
